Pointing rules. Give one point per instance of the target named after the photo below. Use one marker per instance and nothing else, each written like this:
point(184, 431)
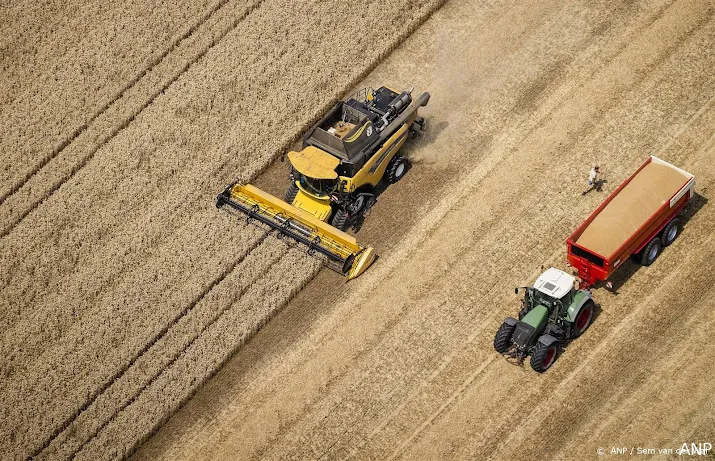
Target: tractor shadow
point(633, 265)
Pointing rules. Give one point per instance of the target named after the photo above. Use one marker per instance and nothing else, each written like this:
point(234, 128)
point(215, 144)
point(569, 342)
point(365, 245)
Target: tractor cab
point(554, 287)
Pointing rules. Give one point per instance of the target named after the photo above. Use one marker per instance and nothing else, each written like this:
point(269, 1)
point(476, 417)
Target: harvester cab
point(334, 177)
point(553, 312)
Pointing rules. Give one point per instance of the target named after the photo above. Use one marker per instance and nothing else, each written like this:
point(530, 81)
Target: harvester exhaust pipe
point(396, 105)
point(399, 121)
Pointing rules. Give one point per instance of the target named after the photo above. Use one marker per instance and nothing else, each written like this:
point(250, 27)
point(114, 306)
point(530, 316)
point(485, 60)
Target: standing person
point(593, 180)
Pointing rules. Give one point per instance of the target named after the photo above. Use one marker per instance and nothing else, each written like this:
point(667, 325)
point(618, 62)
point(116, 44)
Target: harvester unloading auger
point(333, 179)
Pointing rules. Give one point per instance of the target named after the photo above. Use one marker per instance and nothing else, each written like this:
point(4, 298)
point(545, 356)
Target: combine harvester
point(334, 178)
point(638, 219)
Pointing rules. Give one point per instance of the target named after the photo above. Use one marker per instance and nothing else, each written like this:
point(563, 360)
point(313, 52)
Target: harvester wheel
point(544, 354)
point(583, 319)
point(651, 251)
point(396, 169)
point(670, 232)
point(291, 193)
point(502, 340)
point(340, 219)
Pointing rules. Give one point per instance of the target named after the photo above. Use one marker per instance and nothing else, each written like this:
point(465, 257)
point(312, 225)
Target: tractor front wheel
point(502, 340)
point(291, 193)
point(544, 354)
point(651, 251)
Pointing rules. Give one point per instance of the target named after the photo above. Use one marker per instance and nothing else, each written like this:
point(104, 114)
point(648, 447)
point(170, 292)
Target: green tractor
point(552, 313)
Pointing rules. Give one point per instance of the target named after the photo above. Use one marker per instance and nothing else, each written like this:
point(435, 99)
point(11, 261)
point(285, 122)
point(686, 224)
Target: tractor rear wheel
point(396, 168)
point(543, 356)
point(670, 232)
point(291, 193)
point(651, 251)
point(502, 340)
point(583, 319)
point(340, 219)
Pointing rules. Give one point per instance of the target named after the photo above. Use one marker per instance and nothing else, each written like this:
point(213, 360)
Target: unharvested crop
point(123, 288)
point(61, 67)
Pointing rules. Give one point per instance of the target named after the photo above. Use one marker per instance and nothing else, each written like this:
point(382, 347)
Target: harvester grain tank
point(638, 219)
point(334, 177)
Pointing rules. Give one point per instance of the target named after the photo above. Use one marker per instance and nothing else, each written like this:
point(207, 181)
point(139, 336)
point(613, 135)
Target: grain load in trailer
point(639, 217)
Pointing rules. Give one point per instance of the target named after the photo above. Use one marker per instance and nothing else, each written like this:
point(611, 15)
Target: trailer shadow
point(633, 265)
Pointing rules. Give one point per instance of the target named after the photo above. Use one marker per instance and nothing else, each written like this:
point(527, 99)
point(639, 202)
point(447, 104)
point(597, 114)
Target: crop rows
point(256, 272)
point(60, 67)
point(116, 115)
point(130, 317)
point(124, 290)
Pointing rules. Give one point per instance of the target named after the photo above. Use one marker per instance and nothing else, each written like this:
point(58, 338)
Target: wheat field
point(139, 322)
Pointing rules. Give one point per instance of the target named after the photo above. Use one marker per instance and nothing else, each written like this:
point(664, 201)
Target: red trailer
point(640, 216)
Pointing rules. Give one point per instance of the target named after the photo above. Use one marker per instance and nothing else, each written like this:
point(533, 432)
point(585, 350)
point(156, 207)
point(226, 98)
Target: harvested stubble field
point(123, 290)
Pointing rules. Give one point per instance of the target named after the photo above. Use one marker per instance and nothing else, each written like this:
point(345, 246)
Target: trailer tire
point(291, 193)
point(396, 169)
point(651, 252)
point(340, 219)
point(502, 339)
point(544, 353)
point(670, 232)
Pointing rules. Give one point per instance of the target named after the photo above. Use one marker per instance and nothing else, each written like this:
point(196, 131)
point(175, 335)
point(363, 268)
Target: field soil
point(123, 291)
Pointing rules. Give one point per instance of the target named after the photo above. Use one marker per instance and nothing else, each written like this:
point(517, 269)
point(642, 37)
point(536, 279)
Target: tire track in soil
point(124, 119)
point(447, 403)
point(146, 348)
